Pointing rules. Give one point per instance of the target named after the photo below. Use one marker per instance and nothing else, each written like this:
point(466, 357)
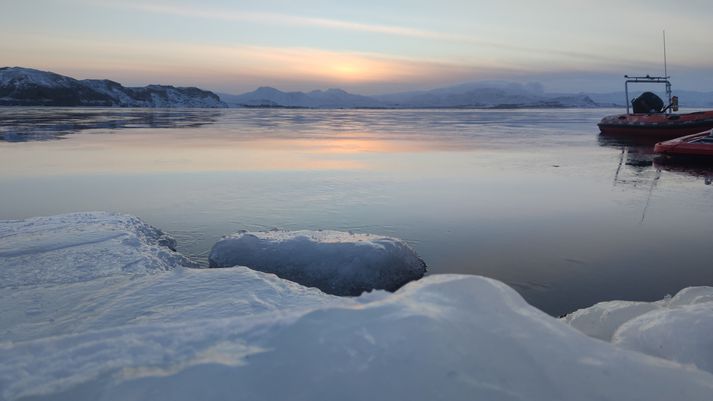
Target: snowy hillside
point(156, 329)
point(28, 87)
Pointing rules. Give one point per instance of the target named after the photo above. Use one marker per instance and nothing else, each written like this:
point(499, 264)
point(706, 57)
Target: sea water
point(534, 198)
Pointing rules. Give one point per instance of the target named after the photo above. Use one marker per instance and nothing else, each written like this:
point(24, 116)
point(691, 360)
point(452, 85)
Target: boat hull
point(659, 125)
point(697, 145)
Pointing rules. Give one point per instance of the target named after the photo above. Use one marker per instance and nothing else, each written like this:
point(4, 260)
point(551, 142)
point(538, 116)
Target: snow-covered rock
point(78, 247)
point(336, 262)
point(29, 87)
point(678, 328)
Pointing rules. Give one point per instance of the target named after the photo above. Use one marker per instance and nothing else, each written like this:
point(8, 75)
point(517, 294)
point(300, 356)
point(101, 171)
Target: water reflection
point(22, 124)
point(637, 161)
point(447, 129)
point(701, 170)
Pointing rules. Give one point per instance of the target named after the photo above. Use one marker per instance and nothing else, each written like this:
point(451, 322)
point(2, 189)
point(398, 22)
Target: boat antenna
point(666, 77)
point(665, 66)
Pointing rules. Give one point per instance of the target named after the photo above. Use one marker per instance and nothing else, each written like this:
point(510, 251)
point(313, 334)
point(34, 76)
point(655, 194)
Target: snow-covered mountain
point(487, 94)
point(29, 87)
point(271, 97)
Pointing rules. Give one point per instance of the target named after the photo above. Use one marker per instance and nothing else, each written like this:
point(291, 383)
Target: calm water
point(533, 198)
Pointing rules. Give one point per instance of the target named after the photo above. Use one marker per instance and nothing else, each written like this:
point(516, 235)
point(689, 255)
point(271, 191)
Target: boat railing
point(651, 80)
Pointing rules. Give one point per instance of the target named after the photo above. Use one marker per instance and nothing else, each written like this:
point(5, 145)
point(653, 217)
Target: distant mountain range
point(491, 94)
point(29, 87)
point(271, 97)
point(485, 94)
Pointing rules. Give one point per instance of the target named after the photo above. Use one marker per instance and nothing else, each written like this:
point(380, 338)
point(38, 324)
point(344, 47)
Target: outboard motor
point(647, 102)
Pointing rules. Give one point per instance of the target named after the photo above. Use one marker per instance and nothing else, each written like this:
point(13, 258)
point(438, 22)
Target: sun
point(349, 71)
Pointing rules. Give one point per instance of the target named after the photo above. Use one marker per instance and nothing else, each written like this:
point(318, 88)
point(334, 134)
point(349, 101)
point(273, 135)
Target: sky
point(367, 46)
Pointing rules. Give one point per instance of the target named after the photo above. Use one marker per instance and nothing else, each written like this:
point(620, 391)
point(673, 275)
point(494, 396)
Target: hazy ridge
point(29, 87)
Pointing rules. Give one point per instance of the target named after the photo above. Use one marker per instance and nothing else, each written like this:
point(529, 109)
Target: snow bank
point(81, 246)
point(336, 262)
point(182, 294)
point(444, 337)
point(167, 332)
point(678, 328)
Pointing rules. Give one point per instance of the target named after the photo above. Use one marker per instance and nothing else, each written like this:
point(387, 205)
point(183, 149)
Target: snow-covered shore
point(97, 306)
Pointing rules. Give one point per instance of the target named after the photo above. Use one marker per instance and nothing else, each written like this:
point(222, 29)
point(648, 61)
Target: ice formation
point(336, 262)
point(678, 328)
point(167, 332)
point(81, 246)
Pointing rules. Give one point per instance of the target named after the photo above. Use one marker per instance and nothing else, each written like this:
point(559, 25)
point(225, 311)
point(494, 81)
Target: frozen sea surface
point(533, 198)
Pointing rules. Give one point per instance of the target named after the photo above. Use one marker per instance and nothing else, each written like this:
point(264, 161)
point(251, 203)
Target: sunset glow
point(373, 48)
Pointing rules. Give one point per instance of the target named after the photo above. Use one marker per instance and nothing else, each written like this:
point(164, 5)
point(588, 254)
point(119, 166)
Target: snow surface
point(677, 329)
point(182, 294)
point(77, 247)
point(336, 262)
point(167, 332)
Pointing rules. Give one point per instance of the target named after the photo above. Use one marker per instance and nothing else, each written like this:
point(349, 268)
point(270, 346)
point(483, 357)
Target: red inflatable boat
point(659, 125)
point(697, 145)
point(651, 119)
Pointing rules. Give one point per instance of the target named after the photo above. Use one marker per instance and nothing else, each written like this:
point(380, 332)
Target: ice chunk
point(691, 296)
point(336, 262)
point(443, 337)
point(81, 246)
point(680, 333)
point(675, 328)
point(603, 319)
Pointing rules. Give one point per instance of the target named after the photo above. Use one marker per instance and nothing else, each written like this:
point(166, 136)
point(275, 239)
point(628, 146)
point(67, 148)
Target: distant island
point(29, 87)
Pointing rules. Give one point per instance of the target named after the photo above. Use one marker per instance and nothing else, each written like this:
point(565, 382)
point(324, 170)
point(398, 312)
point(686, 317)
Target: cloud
point(238, 67)
point(234, 15)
